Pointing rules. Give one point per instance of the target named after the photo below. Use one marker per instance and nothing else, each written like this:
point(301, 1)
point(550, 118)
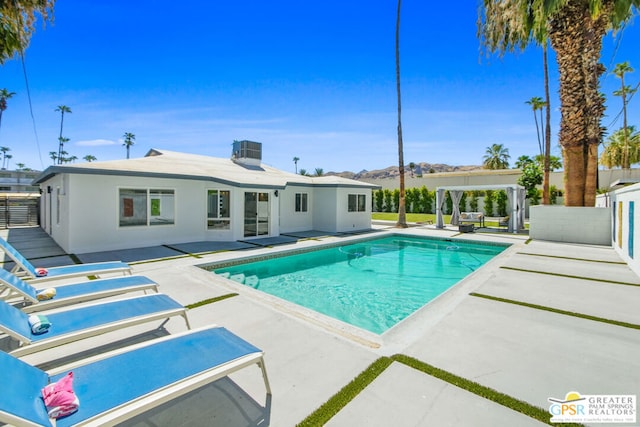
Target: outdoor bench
point(472, 217)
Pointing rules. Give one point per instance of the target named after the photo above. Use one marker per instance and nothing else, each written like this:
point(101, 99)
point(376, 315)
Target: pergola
point(515, 196)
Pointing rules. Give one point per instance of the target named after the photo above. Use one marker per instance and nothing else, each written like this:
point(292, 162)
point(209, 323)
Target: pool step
point(252, 281)
point(237, 277)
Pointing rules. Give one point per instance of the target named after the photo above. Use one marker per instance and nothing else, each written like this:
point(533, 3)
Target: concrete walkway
point(527, 353)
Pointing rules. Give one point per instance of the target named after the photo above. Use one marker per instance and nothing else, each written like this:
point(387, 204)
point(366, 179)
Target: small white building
point(168, 197)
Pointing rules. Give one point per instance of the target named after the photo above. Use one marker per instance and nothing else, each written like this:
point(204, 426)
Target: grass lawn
point(424, 218)
point(411, 217)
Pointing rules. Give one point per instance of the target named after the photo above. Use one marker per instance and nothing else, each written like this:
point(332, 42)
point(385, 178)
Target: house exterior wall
point(352, 221)
point(93, 203)
point(55, 209)
point(83, 211)
point(624, 213)
point(290, 220)
point(89, 213)
point(325, 209)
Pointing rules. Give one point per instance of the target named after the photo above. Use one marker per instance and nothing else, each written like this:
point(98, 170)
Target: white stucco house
point(169, 197)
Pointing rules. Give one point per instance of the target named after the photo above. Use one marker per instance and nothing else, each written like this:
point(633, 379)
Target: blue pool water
point(373, 284)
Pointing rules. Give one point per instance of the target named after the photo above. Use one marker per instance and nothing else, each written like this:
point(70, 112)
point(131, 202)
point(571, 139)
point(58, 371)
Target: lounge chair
point(76, 323)
point(23, 268)
point(12, 288)
point(116, 386)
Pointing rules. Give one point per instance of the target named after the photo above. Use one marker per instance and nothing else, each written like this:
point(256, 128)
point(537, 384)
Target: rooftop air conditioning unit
point(247, 152)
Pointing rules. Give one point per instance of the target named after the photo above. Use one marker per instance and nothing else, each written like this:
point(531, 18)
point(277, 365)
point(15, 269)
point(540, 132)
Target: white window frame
point(360, 201)
point(221, 220)
point(149, 193)
point(303, 206)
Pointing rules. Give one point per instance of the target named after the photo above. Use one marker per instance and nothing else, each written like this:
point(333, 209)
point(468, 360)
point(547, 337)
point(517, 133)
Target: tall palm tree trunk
point(546, 196)
point(60, 141)
point(596, 30)
point(402, 212)
point(577, 39)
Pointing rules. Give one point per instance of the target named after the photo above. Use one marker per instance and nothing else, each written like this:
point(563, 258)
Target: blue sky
point(314, 80)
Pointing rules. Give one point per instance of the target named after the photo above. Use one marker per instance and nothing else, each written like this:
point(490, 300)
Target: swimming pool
point(371, 284)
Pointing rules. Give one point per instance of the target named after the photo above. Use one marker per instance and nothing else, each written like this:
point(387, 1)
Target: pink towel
point(41, 271)
point(59, 397)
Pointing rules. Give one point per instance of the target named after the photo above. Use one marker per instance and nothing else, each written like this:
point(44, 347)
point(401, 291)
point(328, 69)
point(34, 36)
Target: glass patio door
point(256, 214)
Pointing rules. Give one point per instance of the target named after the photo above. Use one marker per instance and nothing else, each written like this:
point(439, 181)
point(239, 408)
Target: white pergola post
point(456, 195)
point(512, 197)
point(439, 205)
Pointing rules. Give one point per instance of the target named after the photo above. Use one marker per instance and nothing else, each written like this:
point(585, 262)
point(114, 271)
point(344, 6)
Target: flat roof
point(171, 164)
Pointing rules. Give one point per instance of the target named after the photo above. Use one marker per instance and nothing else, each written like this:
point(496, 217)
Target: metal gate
point(19, 210)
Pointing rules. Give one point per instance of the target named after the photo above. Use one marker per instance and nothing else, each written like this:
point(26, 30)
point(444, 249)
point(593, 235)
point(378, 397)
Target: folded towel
point(59, 397)
point(46, 294)
point(41, 271)
point(39, 324)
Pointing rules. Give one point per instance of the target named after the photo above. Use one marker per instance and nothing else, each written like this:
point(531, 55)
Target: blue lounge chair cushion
point(86, 269)
point(82, 321)
point(114, 381)
point(101, 314)
point(74, 292)
point(18, 284)
point(101, 285)
point(21, 384)
point(65, 270)
point(159, 365)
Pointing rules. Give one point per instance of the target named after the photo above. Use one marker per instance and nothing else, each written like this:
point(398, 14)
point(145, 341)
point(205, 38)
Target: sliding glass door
point(256, 214)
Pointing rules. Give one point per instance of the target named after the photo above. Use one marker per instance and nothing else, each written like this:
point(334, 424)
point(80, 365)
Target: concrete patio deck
point(527, 353)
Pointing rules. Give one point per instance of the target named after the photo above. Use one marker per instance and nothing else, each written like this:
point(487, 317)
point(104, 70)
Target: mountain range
point(393, 171)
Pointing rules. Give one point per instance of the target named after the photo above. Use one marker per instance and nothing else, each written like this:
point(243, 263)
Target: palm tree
point(402, 209)
point(319, 171)
point(63, 109)
point(554, 162)
point(20, 167)
point(496, 157)
point(7, 158)
point(536, 104)
point(89, 158)
point(18, 20)
point(61, 152)
point(523, 161)
point(53, 156)
point(303, 172)
point(620, 148)
point(620, 70)
point(129, 139)
point(295, 161)
point(4, 95)
point(63, 157)
point(575, 29)
point(4, 151)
